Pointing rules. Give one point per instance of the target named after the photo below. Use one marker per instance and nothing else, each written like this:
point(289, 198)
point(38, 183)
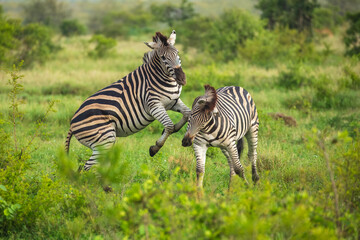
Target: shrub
point(230, 31)
point(9, 29)
point(351, 79)
point(31, 43)
point(200, 25)
point(351, 38)
point(330, 93)
point(72, 27)
point(125, 23)
point(326, 18)
point(271, 47)
point(103, 45)
point(47, 12)
point(220, 36)
point(17, 208)
point(341, 195)
point(171, 14)
point(294, 78)
point(295, 14)
point(37, 44)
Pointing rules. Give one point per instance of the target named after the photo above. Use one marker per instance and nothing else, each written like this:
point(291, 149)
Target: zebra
point(221, 118)
point(130, 104)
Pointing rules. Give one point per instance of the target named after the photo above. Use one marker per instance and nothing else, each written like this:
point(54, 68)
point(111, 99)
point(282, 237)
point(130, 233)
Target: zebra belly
point(131, 128)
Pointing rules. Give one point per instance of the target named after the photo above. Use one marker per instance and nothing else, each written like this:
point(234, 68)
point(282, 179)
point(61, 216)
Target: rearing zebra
point(221, 118)
point(130, 104)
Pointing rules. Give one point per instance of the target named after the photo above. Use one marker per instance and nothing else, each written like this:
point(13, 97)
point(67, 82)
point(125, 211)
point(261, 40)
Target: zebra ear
point(152, 45)
point(172, 38)
point(211, 98)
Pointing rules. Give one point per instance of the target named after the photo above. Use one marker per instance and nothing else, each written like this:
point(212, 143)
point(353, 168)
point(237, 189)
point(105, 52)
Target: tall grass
point(155, 197)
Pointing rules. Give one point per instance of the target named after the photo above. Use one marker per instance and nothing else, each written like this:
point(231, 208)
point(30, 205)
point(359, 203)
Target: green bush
point(47, 12)
point(326, 18)
point(351, 38)
point(199, 25)
point(72, 27)
point(326, 92)
point(103, 45)
point(37, 44)
point(125, 23)
point(331, 93)
point(295, 77)
point(31, 43)
point(271, 47)
point(172, 14)
point(220, 36)
point(229, 32)
point(341, 194)
point(295, 14)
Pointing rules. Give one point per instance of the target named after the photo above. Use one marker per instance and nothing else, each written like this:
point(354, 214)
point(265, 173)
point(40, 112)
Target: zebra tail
point(240, 146)
point(67, 142)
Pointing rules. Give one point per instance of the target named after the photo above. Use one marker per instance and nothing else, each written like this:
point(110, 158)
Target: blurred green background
point(299, 59)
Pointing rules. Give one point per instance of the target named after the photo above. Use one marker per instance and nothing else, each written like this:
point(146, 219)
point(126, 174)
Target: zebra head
point(203, 110)
point(163, 48)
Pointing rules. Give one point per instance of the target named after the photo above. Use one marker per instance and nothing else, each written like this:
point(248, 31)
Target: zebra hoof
point(153, 150)
point(255, 178)
point(107, 189)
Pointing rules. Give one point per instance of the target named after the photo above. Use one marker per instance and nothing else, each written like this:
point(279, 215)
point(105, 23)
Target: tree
point(171, 13)
point(124, 22)
point(48, 12)
point(220, 36)
point(8, 43)
point(352, 37)
point(72, 27)
point(345, 6)
point(31, 43)
point(295, 14)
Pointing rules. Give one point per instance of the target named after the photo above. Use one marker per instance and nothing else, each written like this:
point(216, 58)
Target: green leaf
point(2, 187)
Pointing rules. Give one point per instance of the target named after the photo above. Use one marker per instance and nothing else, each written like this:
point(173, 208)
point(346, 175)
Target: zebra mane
point(159, 37)
point(211, 98)
point(148, 56)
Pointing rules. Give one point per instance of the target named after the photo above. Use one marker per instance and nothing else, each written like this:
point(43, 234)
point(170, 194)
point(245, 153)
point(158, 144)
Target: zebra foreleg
point(185, 111)
point(200, 153)
point(159, 113)
point(234, 155)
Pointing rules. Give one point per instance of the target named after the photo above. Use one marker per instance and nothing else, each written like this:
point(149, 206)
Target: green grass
point(288, 168)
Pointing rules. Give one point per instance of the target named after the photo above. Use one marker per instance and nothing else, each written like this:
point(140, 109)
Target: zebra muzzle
point(187, 141)
point(180, 76)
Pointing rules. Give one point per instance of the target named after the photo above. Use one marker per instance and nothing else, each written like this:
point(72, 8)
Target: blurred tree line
point(284, 29)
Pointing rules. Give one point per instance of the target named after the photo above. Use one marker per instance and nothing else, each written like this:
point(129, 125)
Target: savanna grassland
point(308, 151)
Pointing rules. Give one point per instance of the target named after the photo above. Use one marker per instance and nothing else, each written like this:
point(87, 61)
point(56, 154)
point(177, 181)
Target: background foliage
point(304, 78)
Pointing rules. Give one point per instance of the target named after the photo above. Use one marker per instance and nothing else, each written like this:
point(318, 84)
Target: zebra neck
point(157, 70)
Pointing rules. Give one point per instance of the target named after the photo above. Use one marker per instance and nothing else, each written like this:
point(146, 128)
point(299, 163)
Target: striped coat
point(221, 118)
point(130, 104)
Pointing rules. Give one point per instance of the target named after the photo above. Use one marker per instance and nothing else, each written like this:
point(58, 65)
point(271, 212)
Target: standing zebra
point(130, 104)
point(221, 118)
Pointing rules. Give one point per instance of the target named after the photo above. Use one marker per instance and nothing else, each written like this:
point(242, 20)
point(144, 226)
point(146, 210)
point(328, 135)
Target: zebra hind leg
point(238, 168)
point(92, 160)
point(105, 145)
point(232, 172)
point(252, 139)
point(240, 146)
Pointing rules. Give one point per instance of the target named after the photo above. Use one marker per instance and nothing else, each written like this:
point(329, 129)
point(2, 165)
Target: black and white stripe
point(221, 118)
point(130, 104)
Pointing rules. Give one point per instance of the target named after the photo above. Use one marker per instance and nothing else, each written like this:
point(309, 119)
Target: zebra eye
point(163, 58)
